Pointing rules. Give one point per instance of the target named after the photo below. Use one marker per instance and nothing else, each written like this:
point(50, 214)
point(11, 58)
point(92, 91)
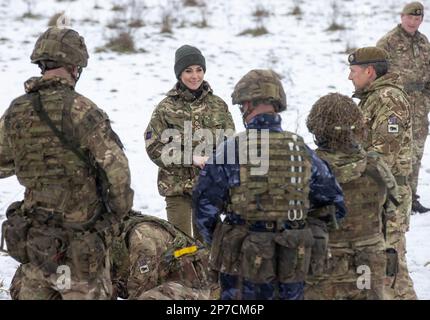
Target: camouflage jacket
point(386, 111)
point(366, 182)
point(409, 56)
point(182, 113)
point(149, 242)
point(54, 177)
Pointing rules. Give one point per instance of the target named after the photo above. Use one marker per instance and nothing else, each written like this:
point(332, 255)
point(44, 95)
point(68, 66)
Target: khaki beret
point(367, 55)
point(414, 8)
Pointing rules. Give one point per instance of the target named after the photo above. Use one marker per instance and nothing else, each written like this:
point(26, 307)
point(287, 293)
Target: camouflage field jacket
point(177, 123)
point(387, 113)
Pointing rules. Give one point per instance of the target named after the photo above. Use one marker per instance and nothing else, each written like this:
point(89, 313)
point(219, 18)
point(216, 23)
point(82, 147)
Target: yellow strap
point(187, 250)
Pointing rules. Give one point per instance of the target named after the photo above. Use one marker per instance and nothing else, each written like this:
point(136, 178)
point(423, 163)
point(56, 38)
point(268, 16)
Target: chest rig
point(277, 188)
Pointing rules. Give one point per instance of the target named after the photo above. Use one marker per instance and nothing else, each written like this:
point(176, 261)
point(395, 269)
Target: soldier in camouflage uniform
point(387, 115)
point(409, 56)
point(188, 108)
point(339, 129)
point(262, 247)
point(152, 259)
point(62, 149)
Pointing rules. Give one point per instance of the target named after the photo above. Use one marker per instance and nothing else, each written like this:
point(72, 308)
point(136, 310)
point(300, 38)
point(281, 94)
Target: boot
point(418, 207)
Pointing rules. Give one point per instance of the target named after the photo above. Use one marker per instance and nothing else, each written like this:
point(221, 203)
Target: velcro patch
point(393, 126)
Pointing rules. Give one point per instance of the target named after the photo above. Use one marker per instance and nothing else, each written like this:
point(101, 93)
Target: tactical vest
point(54, 177)
point(364, 196)
point(282, 192)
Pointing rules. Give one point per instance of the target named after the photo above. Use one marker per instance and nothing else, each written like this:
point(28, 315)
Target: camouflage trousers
point(396, 230)
point(355, 271)
point(180, 214)
point(174, 291)
point(30, 283)
point(420, 129)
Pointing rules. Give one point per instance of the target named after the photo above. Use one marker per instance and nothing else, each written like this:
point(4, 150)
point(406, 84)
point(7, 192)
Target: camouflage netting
point(336, 122)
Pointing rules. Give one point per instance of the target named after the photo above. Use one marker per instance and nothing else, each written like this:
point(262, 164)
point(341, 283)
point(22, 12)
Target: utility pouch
point(15, 230)
point(319, 251)
point(392, 262)
point(232, 241)
point(258, 257)
point(194, 269)
point(46, 247)
point(294, 254)
point(87, 253)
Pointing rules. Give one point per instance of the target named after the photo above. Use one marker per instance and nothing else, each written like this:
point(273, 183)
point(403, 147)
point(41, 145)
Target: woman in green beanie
point(173, 134)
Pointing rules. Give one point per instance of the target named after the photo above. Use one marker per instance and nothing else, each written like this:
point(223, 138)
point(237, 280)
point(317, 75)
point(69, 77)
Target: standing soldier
point(409, 57)
point(62, 149)
point(190, 108)
point(262, 247)
point(386, 112)
point(358, 247)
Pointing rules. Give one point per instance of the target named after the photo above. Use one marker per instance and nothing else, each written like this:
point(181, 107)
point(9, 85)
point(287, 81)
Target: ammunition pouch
point(86, 253)
point(226, 247)
point(319, 251)
point(46, 247)
point(14, 230)
point(258, 257)
point(193, 269)
point(294, 253)
point(392, 262)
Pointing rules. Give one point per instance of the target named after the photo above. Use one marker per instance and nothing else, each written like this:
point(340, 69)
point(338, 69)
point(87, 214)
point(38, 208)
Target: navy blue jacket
point(211, 192)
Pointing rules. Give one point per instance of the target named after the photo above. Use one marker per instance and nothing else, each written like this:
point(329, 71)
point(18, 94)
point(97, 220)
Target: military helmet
point(336, 122)
point(61, 45)
point(260, 85)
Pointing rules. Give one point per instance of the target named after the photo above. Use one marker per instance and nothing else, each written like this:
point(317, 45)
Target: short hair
point(381, 68)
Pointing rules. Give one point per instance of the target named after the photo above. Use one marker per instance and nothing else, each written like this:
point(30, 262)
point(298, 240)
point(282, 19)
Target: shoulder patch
point(148, 135)
point(393, 126)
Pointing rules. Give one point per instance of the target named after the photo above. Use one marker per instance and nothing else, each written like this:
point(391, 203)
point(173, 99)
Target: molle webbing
point(282, 192)
point(39, 153)
point(364, 209)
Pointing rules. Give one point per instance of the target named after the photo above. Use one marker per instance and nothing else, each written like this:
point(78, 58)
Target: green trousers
point(180, 213)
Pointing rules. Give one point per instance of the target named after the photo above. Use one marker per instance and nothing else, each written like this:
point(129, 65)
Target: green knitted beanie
point(187, 56)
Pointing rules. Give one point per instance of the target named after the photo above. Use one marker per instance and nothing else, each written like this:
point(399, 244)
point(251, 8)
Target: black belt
point(401, 180)
point(272, 226)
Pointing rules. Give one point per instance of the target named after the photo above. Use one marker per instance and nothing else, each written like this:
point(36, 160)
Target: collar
point(266, 121)
point(389, 79)
point(37, 83)
point(180, 90)
point(403, 32)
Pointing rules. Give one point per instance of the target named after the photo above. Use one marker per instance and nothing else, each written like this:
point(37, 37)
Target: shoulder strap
point(102, 181)
point(71, 145)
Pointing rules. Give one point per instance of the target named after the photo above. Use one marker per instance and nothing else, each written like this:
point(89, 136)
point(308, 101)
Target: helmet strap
point(248, 111)
point(78, 75)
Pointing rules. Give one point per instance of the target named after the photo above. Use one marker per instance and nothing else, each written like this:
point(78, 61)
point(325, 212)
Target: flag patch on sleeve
point(393, 126)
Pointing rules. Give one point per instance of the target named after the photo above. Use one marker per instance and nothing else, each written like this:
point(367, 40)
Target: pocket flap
point(261, 242)
point(295, 238)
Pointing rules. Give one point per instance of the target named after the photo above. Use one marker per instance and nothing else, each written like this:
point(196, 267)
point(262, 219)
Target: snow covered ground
point(311, 60)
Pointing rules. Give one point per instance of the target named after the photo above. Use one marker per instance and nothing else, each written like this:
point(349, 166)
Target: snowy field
point(311, 60)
